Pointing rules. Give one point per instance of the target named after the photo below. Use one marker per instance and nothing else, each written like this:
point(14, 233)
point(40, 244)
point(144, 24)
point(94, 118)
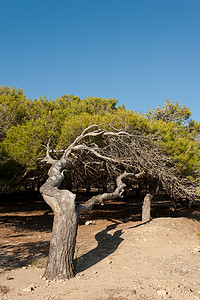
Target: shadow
point(22, 255)
point(20, 223)
point(107, 244)
point(19, 235)
point(192, 213)
point(141, 224)
point(22, 202)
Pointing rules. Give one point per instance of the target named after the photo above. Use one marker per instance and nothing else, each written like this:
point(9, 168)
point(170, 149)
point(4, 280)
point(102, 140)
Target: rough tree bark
point(146, 207)
point(62, 202)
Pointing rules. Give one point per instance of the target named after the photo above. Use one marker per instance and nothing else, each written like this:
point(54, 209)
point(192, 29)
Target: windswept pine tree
point(125, 155)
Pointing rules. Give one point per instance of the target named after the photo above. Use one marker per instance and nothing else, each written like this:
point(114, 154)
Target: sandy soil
point(115, 260)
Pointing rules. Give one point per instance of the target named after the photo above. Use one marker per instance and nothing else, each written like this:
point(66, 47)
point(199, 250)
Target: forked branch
point(117, 193)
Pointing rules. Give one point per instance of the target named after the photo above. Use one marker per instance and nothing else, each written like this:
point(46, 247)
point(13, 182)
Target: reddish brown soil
point(117, 257)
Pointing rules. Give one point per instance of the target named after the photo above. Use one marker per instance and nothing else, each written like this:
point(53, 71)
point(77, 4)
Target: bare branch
point(84, 147)
point(82, 208)
point(94, 133)
point(48, 158)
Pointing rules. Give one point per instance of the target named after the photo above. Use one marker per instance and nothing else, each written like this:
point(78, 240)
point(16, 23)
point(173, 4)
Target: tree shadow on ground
point(192, 213)
point(140, 224)
point(21, 223)
point(107, 244)
point(12, 256)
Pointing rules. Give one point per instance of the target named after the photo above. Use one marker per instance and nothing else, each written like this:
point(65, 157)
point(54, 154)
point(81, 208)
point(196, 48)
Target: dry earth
point(115, 260)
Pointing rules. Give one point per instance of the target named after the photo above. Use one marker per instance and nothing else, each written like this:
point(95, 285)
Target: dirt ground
point(117, 257)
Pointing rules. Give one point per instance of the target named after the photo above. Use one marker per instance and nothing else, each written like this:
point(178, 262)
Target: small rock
point(194, 250)
point(10, 278)
point(162, 293)
point(88, 223)
point(48, 281)
point(95, 272)
point(109, 261)
point(134, 291)
point(184, 271)
point(28, 289)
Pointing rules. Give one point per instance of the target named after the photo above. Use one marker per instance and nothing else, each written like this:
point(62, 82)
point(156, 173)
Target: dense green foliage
point(178, 135)
point(27, 125)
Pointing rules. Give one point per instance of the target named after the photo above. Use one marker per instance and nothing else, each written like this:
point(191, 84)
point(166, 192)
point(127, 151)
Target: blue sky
point(141, 52)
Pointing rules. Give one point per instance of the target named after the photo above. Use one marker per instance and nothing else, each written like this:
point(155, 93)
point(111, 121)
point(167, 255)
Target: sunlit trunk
point(62, 246)
point(146, 208)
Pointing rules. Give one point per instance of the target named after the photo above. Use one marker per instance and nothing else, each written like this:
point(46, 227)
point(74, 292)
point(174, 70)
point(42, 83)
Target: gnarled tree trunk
point(63, 240)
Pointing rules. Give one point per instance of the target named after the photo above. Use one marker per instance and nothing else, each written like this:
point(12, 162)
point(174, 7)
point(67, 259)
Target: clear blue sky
point(141, 52)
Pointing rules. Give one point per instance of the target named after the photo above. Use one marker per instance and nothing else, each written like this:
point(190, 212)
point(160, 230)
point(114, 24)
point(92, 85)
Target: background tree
point(27, 124)
point(178, 135)
point(170, 112)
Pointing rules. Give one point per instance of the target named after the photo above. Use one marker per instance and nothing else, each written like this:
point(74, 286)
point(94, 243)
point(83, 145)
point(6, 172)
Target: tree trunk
point(62, 246)
point(63, 239)
point(146, 208)
point(173, 207)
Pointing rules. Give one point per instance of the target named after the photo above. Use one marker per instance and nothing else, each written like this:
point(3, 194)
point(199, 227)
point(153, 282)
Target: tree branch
point(82, 208)
point(83, 135)
point(48, 158)
point(92, 150)
point(93, 133)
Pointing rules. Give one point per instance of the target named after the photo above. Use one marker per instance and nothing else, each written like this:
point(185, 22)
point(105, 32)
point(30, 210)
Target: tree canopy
point(27, 125)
